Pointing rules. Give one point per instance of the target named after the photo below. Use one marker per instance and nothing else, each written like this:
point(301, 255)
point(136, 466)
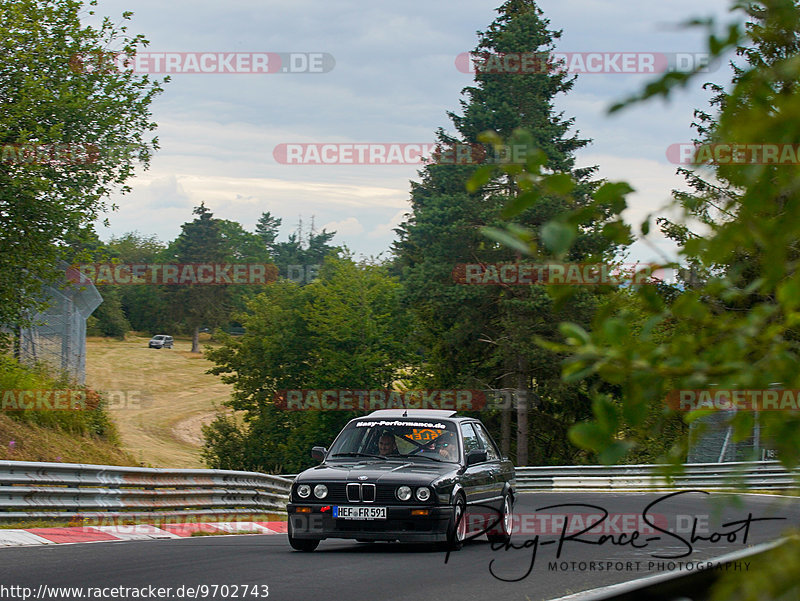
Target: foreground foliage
point(345, 330)
point(735, 327)
point(70, 135)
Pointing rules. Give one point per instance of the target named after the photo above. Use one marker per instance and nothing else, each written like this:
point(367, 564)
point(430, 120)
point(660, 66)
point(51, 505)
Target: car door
point(494, 493)
point(476, 479)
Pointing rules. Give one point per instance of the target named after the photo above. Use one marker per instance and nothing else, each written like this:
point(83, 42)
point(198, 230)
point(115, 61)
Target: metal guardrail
point(751, 475)
point(66, 490)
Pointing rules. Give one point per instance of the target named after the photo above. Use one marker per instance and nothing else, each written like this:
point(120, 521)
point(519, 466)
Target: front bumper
point(399, 524)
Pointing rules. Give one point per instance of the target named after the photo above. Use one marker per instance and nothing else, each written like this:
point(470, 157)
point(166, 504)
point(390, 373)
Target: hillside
point(22, 441)
point(159, 397)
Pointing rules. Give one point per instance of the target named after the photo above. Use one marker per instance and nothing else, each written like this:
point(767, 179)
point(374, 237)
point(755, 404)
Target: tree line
point(441, 334)
point(577, 360)
point(589, 366)
point(186, 309)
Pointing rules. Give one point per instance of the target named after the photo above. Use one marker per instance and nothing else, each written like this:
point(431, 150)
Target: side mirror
point(476, 456)
point(319, 453)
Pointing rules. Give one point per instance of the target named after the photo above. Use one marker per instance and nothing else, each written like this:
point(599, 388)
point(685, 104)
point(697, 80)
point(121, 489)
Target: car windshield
point(405, 438)
point(158, 338)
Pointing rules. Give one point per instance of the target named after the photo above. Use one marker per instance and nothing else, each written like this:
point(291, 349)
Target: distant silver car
point(160, 341)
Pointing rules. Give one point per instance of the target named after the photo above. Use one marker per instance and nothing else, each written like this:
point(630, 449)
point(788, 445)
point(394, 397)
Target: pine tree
point(196, 305)
point(267, 229)
point(714, 200)
point(482, 336)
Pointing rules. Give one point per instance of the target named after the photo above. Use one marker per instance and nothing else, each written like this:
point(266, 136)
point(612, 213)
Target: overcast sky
point(394, 78)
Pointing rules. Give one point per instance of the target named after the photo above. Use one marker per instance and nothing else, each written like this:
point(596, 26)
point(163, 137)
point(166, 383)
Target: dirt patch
point(160, 397)
point(190, 431)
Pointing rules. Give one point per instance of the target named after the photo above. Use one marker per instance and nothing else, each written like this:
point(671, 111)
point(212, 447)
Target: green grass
point(171, 394)
point(222, 533)
point(82, 436)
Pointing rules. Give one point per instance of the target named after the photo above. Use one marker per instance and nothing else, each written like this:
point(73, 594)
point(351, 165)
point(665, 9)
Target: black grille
point(381, 494)
point(368, 493)
point(336, 493)
point(385, 495)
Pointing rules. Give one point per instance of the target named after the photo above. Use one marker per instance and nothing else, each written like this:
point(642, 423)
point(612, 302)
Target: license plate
point(349, 512)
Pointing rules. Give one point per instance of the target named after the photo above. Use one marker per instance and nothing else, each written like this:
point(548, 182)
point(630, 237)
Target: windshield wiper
point(427, 457)
point(358, 455)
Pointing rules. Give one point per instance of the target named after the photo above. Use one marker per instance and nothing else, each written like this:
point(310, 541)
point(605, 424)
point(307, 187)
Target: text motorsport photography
point(661, 540)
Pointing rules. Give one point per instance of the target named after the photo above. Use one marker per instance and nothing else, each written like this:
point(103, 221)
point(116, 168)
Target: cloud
point(163, 193)
point(346, 227)
point(394, 80)
point(385, 230)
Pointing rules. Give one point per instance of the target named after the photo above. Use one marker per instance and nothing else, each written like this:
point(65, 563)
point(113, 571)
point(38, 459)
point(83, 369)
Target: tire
point(506, 522)
point(303, 544)
point(457, 528)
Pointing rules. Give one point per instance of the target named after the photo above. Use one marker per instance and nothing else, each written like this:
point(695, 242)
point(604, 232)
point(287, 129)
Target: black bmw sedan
point(405, 475)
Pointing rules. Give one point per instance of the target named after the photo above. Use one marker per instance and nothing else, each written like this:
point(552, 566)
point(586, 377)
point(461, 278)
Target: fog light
point(404, 493)
point(423, 493)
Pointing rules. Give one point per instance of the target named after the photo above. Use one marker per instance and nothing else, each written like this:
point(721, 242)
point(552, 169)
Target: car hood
point(387, 472)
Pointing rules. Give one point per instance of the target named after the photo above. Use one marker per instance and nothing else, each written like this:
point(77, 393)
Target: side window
point(492, 454)
point(471, 441)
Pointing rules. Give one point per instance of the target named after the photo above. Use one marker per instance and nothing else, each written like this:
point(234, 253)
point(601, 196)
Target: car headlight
point(320, 491)
point(304, 491)
point(404, 493)
point(423, 493)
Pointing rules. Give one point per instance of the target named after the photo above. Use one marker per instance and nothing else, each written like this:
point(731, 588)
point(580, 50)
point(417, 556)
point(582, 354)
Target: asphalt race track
point(391, 571)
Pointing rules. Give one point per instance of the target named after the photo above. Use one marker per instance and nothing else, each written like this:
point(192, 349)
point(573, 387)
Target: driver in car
point(387, 445)
point(447, 446)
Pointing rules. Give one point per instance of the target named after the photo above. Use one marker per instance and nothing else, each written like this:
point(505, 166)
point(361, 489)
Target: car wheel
point(302, 544)
point(457, 529)
point(502, 531)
